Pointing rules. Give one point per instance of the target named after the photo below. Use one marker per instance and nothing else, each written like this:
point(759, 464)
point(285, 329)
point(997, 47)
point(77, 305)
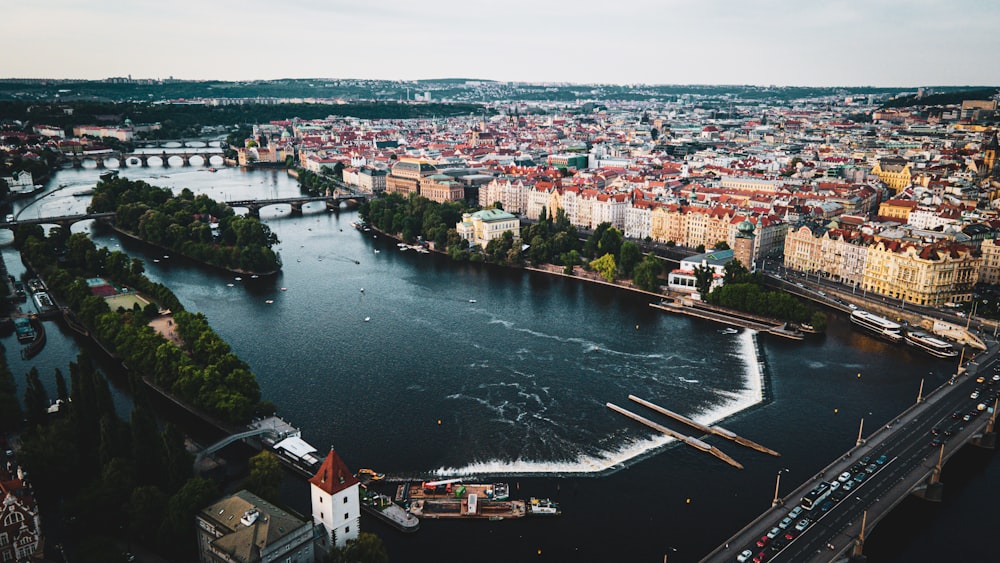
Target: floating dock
point(452, 499)
point(706, 429)
point(693, 442)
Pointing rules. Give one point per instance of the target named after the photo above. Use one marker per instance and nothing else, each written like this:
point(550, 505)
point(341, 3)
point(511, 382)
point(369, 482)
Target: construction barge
point(452, 499)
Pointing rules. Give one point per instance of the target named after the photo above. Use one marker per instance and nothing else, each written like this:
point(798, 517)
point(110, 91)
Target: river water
point(423, 368)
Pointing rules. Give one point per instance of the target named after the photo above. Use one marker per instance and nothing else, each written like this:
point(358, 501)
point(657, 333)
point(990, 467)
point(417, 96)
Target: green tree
point(367, 548)
point(265, 475)
point(628, 257)
point(605, 266)
point(647, 272)
point(703, 276)
point(36, 400)
point(10, 407)
point(721, 245)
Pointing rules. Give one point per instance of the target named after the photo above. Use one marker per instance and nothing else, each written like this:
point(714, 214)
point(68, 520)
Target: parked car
point(845, 476)
point(803, 524)
point(786, 522)
point(882, 458)
point(774, 532)
point(794, 513)
point(744, 556)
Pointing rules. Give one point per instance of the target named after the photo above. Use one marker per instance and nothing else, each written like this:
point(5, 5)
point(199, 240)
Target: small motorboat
point(367, 319)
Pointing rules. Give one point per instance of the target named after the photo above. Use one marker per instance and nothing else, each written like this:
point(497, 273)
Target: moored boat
point(543, 507)
point(881, 326)
point(370, 474)
point(928, 343)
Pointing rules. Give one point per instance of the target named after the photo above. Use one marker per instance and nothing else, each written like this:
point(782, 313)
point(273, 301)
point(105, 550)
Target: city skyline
point(890, 43)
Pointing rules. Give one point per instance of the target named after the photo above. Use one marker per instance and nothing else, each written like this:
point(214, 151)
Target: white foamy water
point(734, 401)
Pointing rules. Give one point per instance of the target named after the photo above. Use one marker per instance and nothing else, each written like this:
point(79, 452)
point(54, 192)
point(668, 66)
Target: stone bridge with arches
point(142, 159)
point(64, 221)
point(333, 202)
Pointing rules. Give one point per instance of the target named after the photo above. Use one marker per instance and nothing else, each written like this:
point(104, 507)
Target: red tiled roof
point(333, 476)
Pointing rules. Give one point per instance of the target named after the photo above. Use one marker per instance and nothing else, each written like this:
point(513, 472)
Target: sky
point(762, 42)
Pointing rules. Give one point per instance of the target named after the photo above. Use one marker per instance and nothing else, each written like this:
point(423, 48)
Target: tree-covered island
point(195, 226)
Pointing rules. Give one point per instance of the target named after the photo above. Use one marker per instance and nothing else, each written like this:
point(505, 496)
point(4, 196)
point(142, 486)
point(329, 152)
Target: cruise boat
point(928, 343)
point(881, 326)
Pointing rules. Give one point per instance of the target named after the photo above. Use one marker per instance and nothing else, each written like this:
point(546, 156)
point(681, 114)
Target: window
point(12, 518)
point(347, 529)
point(345, 516)
point(321, 500)
point(320, 515)
point(3, 539)
point(345, 500)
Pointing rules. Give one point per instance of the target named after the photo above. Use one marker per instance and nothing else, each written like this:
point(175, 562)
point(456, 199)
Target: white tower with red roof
point(336, 503)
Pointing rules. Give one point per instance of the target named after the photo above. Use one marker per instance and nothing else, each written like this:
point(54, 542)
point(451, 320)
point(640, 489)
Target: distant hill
point(943, 98)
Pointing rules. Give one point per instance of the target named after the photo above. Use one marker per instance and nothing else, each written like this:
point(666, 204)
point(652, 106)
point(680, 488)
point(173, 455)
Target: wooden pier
point(693, 442)
point(715, 430)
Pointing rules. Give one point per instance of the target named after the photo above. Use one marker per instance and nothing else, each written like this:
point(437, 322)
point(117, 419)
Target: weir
point(693, 442)
point(706, 429)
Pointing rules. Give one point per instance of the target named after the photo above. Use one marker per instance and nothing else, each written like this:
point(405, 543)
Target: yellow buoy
point(688, 501)
point(859, 375)
point(439, 422)
point(835, 411)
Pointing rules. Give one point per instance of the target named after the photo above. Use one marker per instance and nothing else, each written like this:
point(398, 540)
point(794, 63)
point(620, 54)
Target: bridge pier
point(165, 159)
point(254, 211)
point(296, 209)
point(206, 159)
point(988, 441)
point(77, 163)
point(100, 163)
point(186, 160)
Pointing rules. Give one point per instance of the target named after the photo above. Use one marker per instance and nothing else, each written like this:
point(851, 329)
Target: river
point(421, 368)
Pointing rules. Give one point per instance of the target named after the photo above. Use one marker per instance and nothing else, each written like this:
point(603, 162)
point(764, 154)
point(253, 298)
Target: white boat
point(367, 319)
point(543, 507)
point(472, 300)
point(881, 326)
point(930, 344)
point(377, 251)
point(269, 301)
point(237, 278)
point(729, 330)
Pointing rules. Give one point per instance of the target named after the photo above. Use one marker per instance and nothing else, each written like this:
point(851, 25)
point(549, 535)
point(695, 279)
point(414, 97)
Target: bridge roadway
point(910, 466)
point(60, 220)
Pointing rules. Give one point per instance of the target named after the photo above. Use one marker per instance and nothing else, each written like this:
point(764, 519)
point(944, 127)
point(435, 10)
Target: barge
point(453, 499)
point(381, 506)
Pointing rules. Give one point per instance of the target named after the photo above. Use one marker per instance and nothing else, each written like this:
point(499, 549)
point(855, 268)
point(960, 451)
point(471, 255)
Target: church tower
point(336, 502)
point(743, 244)
point(990, 155)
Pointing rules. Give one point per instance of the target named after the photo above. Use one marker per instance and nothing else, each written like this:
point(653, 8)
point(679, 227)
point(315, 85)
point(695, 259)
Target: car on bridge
point(744, 556)
point(794, 513)
point(936, 442)
point(785, 522)
point(860, 477)
point(844, 477)
point(762, 541)
point(883, 458)
point(803, 524)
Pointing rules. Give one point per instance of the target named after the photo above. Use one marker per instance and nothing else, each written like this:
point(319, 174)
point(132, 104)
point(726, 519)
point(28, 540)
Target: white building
point(336, 502)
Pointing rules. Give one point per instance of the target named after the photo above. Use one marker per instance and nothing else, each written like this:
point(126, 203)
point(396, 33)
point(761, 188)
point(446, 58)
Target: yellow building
point(803, 250)
point(897, 209)
point(441, 188)
point(406, 175)
point(989, 273)
point(930, 275)
point(895, 172)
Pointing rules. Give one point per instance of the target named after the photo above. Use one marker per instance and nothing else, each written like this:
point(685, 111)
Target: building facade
point(481, 227)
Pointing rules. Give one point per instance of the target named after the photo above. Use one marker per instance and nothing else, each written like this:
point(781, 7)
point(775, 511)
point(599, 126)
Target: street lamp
point(777, 483)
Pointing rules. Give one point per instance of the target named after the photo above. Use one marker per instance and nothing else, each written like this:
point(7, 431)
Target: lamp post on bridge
point(861, 429)
point(777, 483)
